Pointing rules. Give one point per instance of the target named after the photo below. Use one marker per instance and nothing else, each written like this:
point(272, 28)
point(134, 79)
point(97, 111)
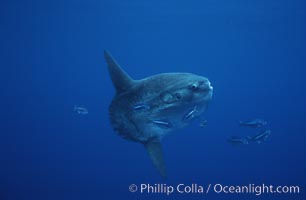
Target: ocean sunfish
point(146, 110)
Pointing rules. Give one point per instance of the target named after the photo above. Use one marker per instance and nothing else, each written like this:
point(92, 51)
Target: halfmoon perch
point(146, 110)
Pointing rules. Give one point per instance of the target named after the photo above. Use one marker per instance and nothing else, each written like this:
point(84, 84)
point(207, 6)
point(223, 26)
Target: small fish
point(162, 123)
point(190, 114)
point(254, 123)
point(260, 137)
point(234, 140)
point(141, 106)
point(80, 110)
point(203, 123)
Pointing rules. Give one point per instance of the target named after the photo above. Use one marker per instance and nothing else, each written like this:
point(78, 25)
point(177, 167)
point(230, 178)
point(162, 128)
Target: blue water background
point(253, 52)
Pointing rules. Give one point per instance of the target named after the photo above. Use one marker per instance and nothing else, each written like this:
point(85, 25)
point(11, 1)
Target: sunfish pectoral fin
point(154, 149)
point(121, 80)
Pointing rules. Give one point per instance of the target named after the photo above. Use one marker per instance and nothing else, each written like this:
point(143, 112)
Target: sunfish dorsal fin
point(121, 80)
point(155, 152)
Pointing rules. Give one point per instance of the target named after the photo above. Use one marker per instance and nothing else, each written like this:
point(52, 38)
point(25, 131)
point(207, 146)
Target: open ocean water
point(51, 56)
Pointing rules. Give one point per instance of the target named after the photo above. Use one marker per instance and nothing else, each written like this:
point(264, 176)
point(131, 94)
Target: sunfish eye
point(194, 86)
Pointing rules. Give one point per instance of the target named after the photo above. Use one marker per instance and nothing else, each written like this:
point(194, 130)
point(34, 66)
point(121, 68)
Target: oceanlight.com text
point(195, 188)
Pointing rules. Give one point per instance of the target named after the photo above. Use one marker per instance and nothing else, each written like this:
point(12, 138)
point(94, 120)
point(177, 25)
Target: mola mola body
point(146, 110)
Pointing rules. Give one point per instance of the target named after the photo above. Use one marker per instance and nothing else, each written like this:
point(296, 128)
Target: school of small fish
point(260, 137)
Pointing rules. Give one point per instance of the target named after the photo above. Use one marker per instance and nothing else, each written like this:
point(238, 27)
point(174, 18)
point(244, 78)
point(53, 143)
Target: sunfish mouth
point(208, 86)
point(207, 90)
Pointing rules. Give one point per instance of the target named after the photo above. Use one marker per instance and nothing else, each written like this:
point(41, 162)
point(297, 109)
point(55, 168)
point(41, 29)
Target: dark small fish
point(254, 123)
point(203, 123)
point(260, 137)
point(80, 110)
point(163, 124)
point(141, 106)
point(234, 140)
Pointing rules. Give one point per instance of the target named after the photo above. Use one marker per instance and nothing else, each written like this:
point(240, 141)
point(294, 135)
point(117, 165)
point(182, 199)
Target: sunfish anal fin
point(154, 149)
